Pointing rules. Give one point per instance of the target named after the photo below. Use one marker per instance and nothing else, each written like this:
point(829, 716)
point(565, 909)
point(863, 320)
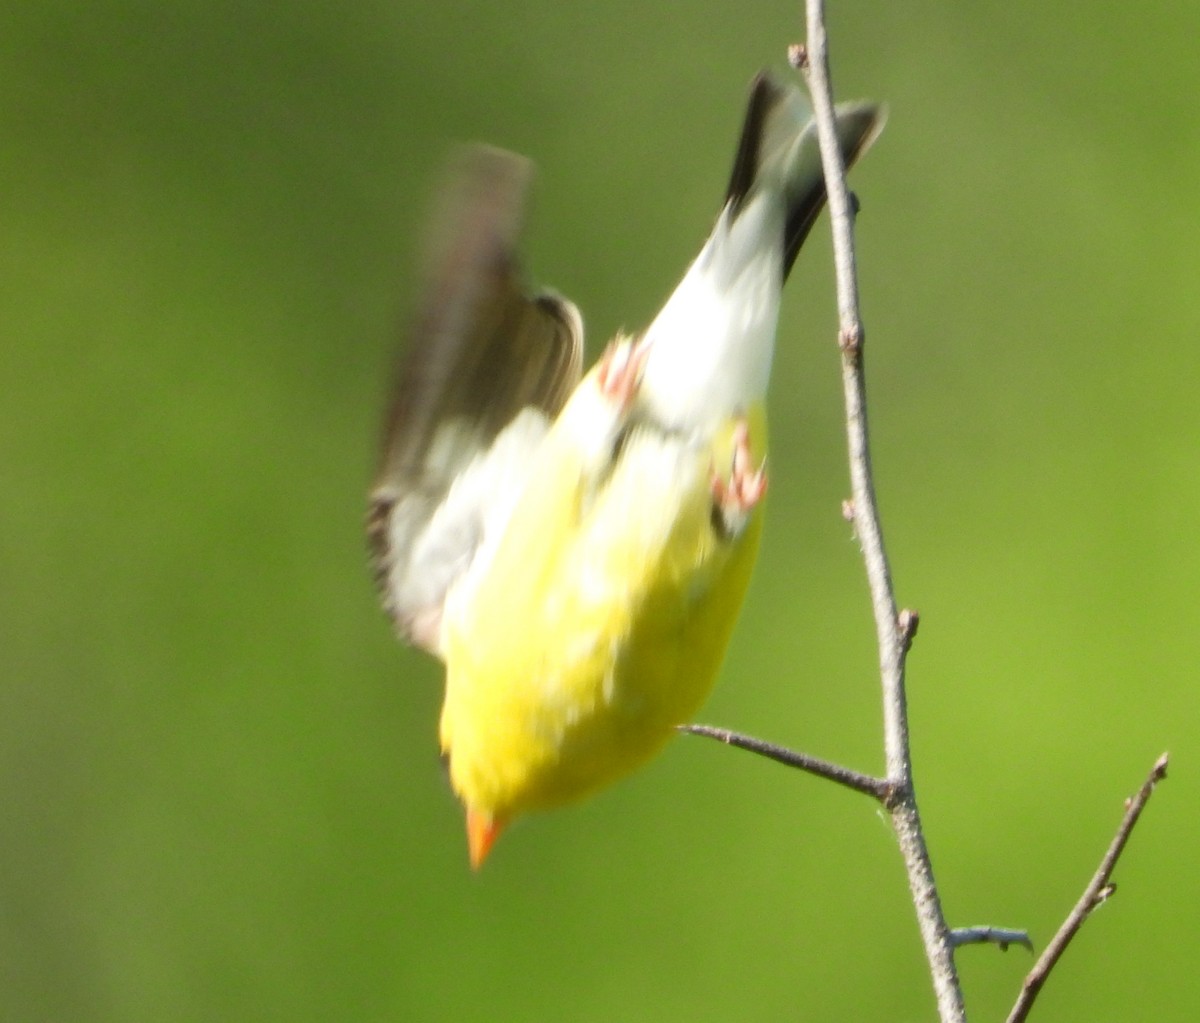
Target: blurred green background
point(219, 791)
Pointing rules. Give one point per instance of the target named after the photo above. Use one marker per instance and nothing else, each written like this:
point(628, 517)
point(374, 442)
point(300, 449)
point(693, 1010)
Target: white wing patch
point(446, 547)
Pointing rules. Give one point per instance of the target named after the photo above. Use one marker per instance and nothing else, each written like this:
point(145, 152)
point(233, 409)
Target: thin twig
point(1001, 936)
point(1097, 891)
point(878, 788)
point(893, 636)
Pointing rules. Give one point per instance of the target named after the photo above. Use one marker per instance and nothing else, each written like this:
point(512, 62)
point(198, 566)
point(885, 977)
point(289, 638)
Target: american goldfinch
point(576, 548)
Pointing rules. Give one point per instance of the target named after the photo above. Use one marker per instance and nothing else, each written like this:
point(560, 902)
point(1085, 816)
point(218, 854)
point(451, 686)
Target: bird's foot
point(736, 496)
point(619, 371)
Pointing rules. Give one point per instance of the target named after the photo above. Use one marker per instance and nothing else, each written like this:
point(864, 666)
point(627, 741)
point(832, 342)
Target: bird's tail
point(779, 149)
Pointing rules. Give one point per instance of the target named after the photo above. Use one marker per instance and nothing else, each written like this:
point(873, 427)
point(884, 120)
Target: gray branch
point(1099, 889)
point(893, 632)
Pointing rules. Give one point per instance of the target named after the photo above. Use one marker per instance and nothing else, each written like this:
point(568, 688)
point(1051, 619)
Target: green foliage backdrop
point(219, 791)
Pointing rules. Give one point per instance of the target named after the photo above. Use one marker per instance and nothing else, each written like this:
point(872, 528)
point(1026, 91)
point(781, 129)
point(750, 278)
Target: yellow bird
point(576, 550)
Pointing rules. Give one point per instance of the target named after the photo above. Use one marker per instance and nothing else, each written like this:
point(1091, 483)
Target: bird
point(576, 548)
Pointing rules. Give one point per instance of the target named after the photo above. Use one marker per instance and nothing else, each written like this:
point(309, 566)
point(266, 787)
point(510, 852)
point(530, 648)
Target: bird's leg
point(619, 371)
point(736, 496)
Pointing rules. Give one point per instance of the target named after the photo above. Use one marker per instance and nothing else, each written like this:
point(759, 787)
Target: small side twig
point(856, 780)
point(1098, 890)
point(1000, 936)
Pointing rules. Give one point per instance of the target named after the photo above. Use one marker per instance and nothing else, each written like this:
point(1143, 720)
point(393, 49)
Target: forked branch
point(895, 629)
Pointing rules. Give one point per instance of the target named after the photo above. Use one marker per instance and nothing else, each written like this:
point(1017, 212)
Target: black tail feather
point(764, 94)
point(858, 125)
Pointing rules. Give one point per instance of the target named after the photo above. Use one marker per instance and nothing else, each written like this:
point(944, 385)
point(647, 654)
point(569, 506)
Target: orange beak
point(481, 834)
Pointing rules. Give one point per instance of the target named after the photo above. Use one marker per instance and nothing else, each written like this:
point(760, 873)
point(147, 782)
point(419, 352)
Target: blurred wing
point(487, 369)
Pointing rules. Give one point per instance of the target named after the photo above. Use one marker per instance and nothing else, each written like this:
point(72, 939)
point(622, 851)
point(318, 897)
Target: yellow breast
point(599, 624)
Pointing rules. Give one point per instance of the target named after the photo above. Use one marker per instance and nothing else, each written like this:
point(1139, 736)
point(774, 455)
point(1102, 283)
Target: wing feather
point(488, 367)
